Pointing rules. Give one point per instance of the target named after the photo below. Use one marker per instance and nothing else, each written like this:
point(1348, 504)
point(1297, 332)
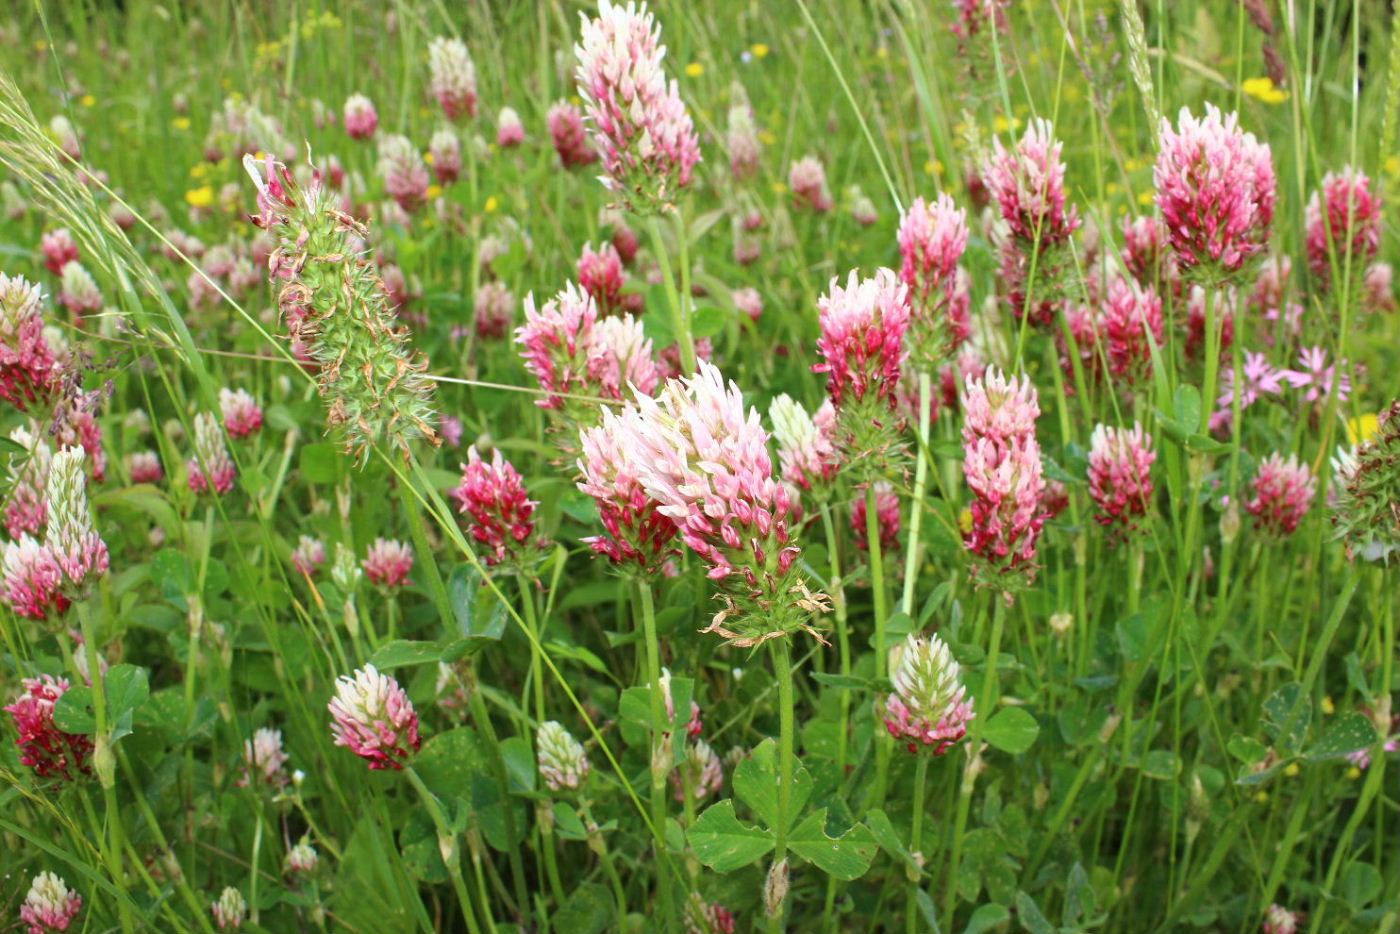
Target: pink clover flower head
point(704, 459)
point(1131, 313)
point(640, 123)
point(562, 761)
point(264, 761)
point(145, 467)
point(499, 515)
point(509, 130)
point(1120, 475)
point(373, 717)
point(1216, 190)
point(70, 537)
point(50, 906)
point(242, 416)
point(702, 769)
point(932, 239)
point(636, 533)
point(806, 444)
point(309, 556)
point(387, 563)
point(568, 135)
point(211, 468)
point(28, 370)
point(862, 339)
point(452, 77)
point(405, 176)
point(360, 117)
point(1283, 493)
point(59, 250)
point(886, 515)
point(46, 749)
point(1028, 184)
point(1343, 219)
point(1279, 920)
point(929, 707)
point(600, 275)
point(807, 180)
point(230, 910)
point(446, 149)
point(33, 579)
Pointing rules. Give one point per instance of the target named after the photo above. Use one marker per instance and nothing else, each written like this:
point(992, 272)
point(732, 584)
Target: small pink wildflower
point(387, 563)
point(59, 250)
point(569, 138)
point(932, 239)
point(145, 467)
point(309, 555)
point(452, 77)
point(1260, 378)
point(509, 130)
point(600, 275)
point(807, 180)
point(749, 302)
point(46, 749)
point(264, 761)
point(405, 176)
point(1318, 378)
point(1279, 920)
point(929, 705)
point(1028, 184)
point(701, 769)
point(242, 416)
point(1130, 314)
point(1283, 492)
point(862, 340)
point(1351, 227)
point(492, 310)
point(446, 149)
point(28, 370)
point(50, 906)
point(806, 443)
point(211, 467)
point(79, 292)
point(1120, 475)
point(361, 119)
point(500, 516)
point(70, 536)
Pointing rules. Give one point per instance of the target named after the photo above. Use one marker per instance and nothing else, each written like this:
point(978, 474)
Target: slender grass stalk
point(883, 743)
point(782, 673)
point(679, 304)
point(916, 837)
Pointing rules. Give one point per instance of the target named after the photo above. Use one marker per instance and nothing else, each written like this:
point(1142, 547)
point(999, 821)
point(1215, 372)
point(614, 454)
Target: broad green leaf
point(1351, 732)
point(1011, 730)
point(888, 838)
point(587, 910)
point(1286, 716)
point(722, 843)
point(418, 842)
point(1186, 403)
point(322, 462)
point(986, 918)
point(447, 762)
point(1030, 915)
point(845, 857)
point(520, 763)
point(1361, 883)
point(402, 652)
point(756, 784)
point(1248, 751)
point(480, 617)
point(1079, 898)
point(1161, 763)
point(708, 322)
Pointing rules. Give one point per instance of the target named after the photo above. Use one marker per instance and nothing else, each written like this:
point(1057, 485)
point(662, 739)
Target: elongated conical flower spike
point(641, 125)
point(929, 706)
point(453, 77)
point(1283, 492)
point(1216, 189)
point(211, 468)
point(1343, 220)
point(636, 535)
point(806, 443)
point(27, 510)
point(704, 459)
point(373, 717)
point(27, 366)
point(499, 514)
point(568, 135)
point(336, 308)
point(562, 761)
point(932, 238)
point(70, 536)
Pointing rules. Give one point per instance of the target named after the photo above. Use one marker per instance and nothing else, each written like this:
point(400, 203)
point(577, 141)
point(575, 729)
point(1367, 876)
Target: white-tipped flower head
point(563, 763)
point(929, 705)
point(211, 467)
point(301, 858)
point(453, 77)
point(50, 904)
point(230, 909)
point(70, 537)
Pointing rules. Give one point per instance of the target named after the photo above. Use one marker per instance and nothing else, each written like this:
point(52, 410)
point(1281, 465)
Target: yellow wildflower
point(759, 50)
point(87, 100)
point(201, 197)
point(694, 70)
point(491, 204)
point(434, 192)
point(181, 123)
point(1363, 428)
point(1145, 198)
point(1263, 89)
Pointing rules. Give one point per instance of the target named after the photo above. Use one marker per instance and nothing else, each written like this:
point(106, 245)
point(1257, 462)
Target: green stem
point(679, 304)
point(782, 672)
point(447, 844)
point(660, 759)
point(916, 837)
point(884, 744)
point(916, 506)
point(601, 848)
point(527, 601)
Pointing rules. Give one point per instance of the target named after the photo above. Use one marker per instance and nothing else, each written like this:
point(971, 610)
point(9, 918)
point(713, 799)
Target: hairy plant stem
point(659, 735)
point(916, 836)
point(782, 673)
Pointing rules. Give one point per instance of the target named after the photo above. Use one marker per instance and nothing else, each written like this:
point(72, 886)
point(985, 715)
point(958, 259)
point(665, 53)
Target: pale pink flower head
point(452, 77)
point(211, 467)
point(1028, 184)
point(498, 513)
point(50, 906)
point(998, 408)
point(46, 749)
point(741, 138)
point(886, 516)
point(636, 534)
point(748, 301)
point(242, 416)
point(309, 555)
point(451, 429)
point(446, 149)
point(33, 579)
point(807, 180)
point(78, 292)
point(405, 176)
point(640, 123)
point(806, 444)
point(621, 355)
point(27, 509)
point(59, 250)
point(361, 119)
point(509, 130)
point(70, 536)
point(66, 135)
point(1131, 316)
point(1279, 920)
point(492, 310)
point(373, 717)
point(862, 340)
point(387, 563)
point(1120, 475)
point(557, 337)
point(1317, 378)
point(929, 707)
point(230, 910)
point(301, 858)
point(1283, 493)
point(600, 275)
point(27, 364)
point(144, 467)
point(701, 769)
point(1216, 190)
point(1343, 220)
point(932, 238)
point(1378, 289)
point(704, 459)
point(264, 761)
point(702, 917)
point(568, 135)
